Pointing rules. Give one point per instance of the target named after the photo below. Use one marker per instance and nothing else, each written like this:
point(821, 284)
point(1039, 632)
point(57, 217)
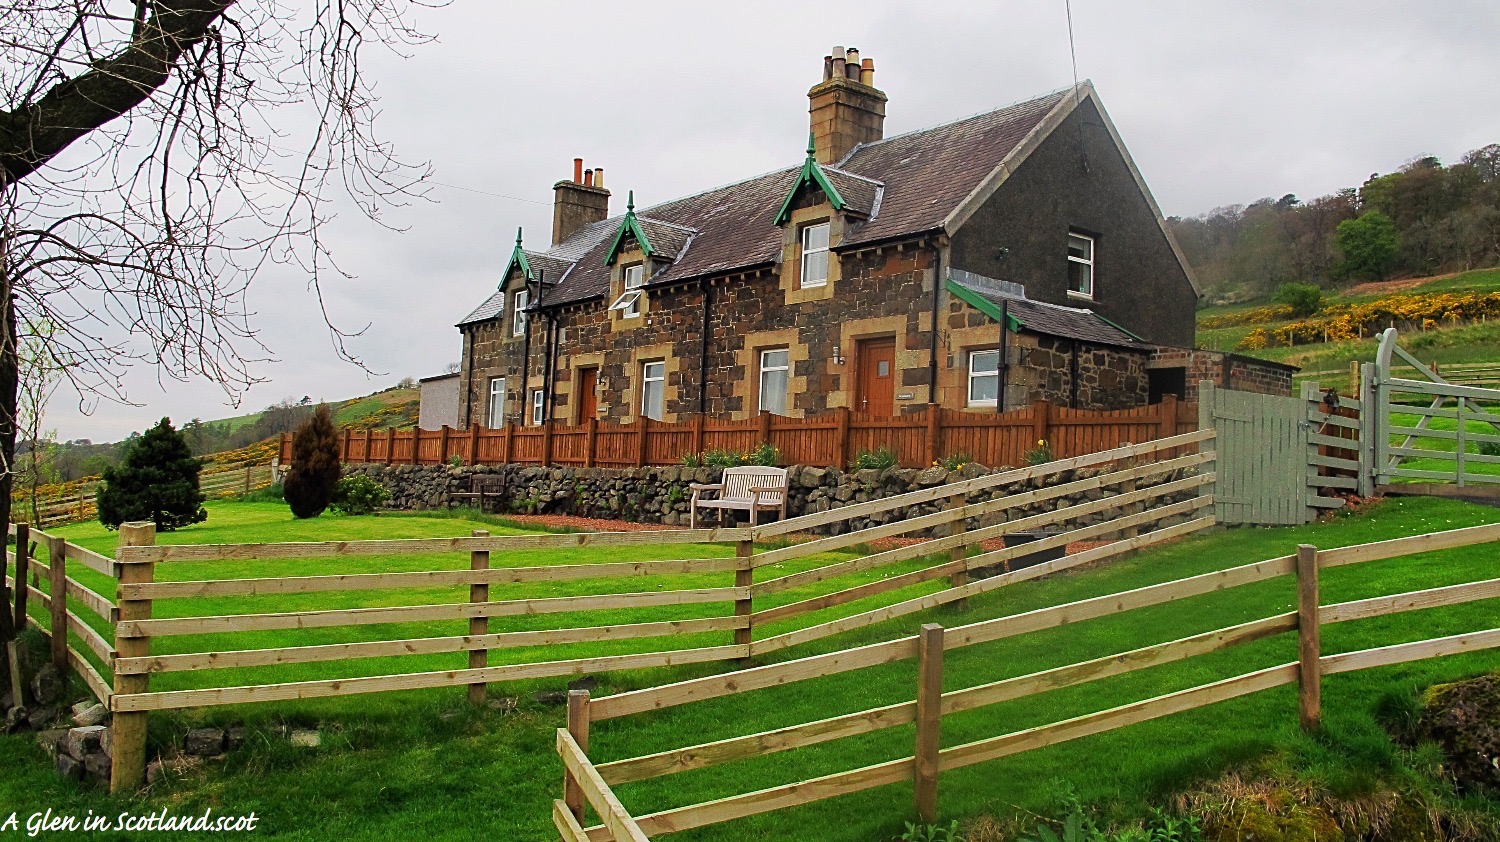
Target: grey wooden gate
point(1268, 454)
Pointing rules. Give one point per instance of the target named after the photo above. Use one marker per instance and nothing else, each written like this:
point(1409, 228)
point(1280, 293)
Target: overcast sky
point(1218, 102)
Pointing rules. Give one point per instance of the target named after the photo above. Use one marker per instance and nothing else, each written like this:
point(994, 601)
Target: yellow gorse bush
point(1354, 321)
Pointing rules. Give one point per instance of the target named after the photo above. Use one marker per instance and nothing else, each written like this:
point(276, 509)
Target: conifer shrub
point(314, 475)
point(157, 481)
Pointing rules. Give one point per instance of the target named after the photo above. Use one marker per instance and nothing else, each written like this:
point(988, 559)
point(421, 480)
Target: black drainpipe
point(549, 373)
point(932, 362)
point(703, 353)
point(525, 357)
point(1073, 378)
point(469, 378)
point(1003, 363)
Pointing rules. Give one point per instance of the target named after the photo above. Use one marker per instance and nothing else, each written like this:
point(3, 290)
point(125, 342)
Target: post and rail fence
point(83, 504)
point(475, 598)
point(589, 784)
point(831, 439)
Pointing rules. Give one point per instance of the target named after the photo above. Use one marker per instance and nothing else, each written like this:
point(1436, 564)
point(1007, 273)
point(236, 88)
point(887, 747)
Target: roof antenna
point(1073, 52)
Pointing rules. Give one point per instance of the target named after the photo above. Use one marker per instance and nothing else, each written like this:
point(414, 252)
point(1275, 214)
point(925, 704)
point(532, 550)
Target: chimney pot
point(579, 201)
point(845, 115)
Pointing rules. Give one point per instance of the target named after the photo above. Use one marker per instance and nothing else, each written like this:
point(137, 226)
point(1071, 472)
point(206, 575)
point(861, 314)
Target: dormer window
point(814, 269)
point(1080, 265)
point(629, 303)
point(518, 324)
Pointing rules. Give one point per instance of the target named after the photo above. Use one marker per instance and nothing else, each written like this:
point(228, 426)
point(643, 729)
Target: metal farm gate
point(1449, 432)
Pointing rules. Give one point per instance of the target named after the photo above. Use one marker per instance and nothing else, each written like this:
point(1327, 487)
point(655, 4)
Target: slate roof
point(667, 239)
point(905, 185)
point(1051, 319)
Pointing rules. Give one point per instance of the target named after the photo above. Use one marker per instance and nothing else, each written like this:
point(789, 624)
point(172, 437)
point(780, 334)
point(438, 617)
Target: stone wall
point(1228, 371)
point(661, 494)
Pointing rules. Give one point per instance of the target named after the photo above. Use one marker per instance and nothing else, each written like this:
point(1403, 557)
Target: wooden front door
point(588, 395)
point(875, 379)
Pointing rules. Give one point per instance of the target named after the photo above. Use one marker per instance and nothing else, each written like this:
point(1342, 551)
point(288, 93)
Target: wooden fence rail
point(1166, 479)
point(929, 759)
point(834, 438)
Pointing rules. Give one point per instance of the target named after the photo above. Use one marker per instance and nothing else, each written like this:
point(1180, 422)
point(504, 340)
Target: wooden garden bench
point(749, 489)
point(482, 487)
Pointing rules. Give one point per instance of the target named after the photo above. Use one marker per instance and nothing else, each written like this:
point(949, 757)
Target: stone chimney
point(578, 202)
point(846, 108)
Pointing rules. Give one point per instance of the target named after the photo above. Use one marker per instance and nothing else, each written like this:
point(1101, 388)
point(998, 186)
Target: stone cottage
point(980, 264)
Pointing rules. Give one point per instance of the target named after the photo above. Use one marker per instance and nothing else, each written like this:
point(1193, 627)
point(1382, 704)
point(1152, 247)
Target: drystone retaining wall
point(662, 494)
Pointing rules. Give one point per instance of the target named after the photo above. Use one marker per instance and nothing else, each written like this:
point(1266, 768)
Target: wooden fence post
point(507, 447)
point(344, 445)
point(699, 421)
point(841, 439)
point(765, 426)
point(929, 719)
point(1309, 642)
point(744, 577)
point(416, 444)
point(473, 444)
point(479, 658)
point(1127, 487)
point(443, 444)
point(247, 477)
point(57, 573)
point(591, 442)
point(390, 445)
point(128, 729)
point(368, 450)
point(640, 440)
point(934, 434)
point(1041, 423)
point(546, 442)
point(959, 553)
point(23, 569)
point(578, 727)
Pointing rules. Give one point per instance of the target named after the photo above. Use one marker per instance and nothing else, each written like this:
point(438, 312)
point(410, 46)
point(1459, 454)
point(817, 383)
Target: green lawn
point(422, 763)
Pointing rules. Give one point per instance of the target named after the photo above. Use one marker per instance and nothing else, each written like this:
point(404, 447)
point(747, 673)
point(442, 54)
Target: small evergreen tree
point(314, 474)
point(157, 481)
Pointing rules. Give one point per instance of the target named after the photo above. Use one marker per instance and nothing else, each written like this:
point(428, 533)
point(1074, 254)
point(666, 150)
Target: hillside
point(1442, 319)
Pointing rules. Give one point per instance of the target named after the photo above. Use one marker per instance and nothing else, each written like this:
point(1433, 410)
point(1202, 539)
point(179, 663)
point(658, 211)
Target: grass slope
point(423, 763)
point(1447, 346)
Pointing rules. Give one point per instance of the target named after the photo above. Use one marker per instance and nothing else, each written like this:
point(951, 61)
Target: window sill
point(1080, 296)
point(982, 405)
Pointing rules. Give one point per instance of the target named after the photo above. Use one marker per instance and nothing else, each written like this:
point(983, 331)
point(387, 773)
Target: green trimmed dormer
point(632, 227)
point(517, 259)
point(811, 175)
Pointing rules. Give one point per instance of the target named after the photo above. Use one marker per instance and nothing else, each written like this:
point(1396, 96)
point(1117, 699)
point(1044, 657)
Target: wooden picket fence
point(1121, 494)
point(588, 784)
point(831, 439)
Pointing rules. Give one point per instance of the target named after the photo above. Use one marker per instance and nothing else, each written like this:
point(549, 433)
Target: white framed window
point(654, 390)
point(1080, 265)
point(538, 405)
point(775, 369)
point(518, 324)
point(629, 302)
point(984, 378)
point(496, 417)
point(814, 271)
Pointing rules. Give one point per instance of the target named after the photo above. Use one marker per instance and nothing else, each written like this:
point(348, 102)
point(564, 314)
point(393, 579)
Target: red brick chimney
point(579, 201)
point(846, 108)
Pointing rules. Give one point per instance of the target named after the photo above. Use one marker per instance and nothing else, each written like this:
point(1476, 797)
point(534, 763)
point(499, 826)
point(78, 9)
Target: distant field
point(1329, 362)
